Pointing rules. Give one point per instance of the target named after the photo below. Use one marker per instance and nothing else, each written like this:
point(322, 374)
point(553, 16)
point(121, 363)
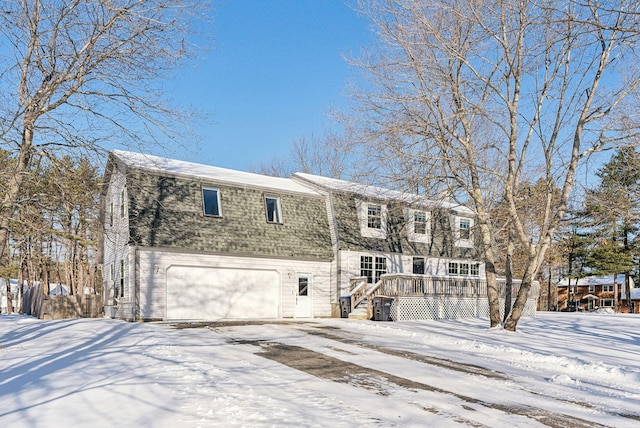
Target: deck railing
point(403, 285)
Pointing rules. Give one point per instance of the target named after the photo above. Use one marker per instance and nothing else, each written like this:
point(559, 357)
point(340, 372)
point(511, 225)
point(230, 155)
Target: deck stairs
point(361, 312)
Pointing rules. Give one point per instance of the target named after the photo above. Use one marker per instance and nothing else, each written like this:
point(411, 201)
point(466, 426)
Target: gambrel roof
point(211, 173)
point(379, 193)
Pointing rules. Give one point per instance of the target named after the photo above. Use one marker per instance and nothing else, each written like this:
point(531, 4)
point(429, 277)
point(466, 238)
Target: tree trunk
point(509, 277)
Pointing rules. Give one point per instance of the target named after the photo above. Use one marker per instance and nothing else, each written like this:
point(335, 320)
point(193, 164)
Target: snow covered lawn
point(560, 369)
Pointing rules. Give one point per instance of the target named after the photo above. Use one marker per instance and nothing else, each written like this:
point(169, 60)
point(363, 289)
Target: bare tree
point(86, 75)
point(329, 156)
point(488, 94)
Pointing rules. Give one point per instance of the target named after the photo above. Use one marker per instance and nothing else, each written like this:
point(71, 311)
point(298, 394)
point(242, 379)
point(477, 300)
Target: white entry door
point(303, 296)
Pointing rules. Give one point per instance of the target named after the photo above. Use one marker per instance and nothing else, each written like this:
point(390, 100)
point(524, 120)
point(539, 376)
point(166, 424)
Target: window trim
point(412, 235)
point(362, 209)
point(218, 201)
point(459, 240)
point(278, 209)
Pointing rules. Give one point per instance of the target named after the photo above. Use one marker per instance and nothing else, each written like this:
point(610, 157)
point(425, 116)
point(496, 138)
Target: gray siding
point(442, 239)
point(167, 212)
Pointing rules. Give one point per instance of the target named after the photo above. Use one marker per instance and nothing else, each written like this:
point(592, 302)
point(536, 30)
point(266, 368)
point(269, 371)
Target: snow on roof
point(594, 280)
point(376, 192)
point(212, 173)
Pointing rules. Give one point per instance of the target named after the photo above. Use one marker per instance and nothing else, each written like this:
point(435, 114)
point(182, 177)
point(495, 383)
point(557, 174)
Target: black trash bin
point(345, 306)
point(382, 308)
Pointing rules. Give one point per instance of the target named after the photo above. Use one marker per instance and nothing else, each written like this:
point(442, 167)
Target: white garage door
point(206, 293)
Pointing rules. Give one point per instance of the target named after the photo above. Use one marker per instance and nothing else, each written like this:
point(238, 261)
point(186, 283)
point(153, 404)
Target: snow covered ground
point(559, 369)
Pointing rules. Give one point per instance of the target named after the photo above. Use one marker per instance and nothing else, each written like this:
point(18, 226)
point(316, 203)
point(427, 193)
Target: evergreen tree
point(614, 215)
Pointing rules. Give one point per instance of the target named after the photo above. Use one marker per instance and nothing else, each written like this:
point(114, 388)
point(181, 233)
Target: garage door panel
point(207, 293)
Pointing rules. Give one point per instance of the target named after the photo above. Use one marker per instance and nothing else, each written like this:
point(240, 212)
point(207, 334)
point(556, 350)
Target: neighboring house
point(592, 292)
point(189, 241)
point(635, 300)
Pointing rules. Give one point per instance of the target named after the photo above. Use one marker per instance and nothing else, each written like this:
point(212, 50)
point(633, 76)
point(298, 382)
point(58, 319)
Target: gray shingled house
point(421, 255)
point(189, 241)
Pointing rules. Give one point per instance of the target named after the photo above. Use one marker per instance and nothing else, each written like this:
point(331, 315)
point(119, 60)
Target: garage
point(211, 293)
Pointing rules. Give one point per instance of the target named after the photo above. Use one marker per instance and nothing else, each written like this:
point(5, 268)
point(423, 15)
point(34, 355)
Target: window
point(475, 269)
point(381, 267)
point(303, 286)
point(211, 202)
point(592, 289)
point(453, 268)
point(122, 204)
point(121, 278)
point(374, 216)
point(111, 214)
point(465, 228)
point(418, 265)
point(464, 268)
point(366, 267)
point(272, 205)
point(420, 223)
point(607, 288)
point(371, 271)
point(372, 219)
point(606, 303)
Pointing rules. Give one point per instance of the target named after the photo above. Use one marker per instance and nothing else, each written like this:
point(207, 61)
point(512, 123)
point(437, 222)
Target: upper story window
point(211, 202)
point(463, 230)
point(111, 214)
point(607, 288)
point(372, 218)
point(419, 222)
point(274, 212)
point(418, 225)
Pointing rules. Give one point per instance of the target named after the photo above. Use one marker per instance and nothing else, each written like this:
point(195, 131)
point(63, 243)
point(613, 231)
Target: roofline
point(310, 192)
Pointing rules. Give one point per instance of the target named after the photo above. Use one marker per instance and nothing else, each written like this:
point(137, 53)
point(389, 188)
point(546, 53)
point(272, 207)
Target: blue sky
point(275, 70)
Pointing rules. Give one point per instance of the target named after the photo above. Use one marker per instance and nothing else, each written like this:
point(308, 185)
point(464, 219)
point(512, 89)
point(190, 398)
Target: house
point(422, 256)
point(189, 241)
point(635, 300)
point(377, 231)
point(592, 292)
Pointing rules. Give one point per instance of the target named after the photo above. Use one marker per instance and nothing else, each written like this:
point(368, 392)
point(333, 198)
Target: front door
point(303, 297)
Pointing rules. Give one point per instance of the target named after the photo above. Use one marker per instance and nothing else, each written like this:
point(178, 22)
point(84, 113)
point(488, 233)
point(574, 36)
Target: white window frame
point(603, 303)
point(277, 218)
point(410, 216)
point(362, 208)
point(204, 206)
point(608, 288)
point(463, 242)
point(453, 268)
point(474, 269)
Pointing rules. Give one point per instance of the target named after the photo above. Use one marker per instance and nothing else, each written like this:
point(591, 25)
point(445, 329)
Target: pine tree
point(615, 215)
